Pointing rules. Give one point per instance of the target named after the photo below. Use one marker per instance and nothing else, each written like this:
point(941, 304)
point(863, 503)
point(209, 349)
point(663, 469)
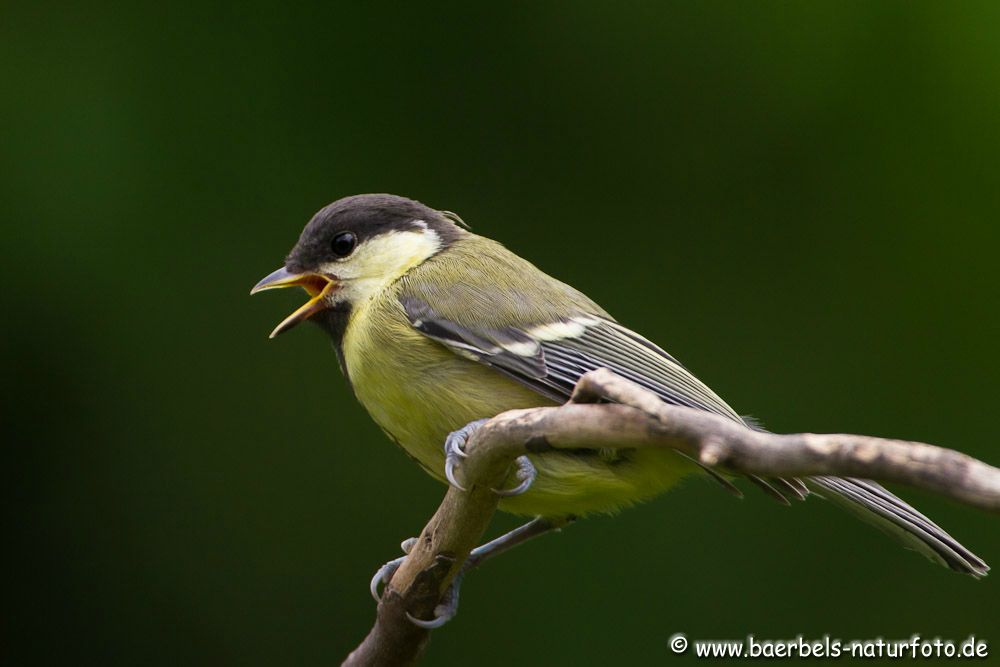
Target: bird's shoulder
point(479, 283)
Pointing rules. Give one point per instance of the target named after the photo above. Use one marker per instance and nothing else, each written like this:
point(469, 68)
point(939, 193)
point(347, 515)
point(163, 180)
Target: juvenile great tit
point(436, 327)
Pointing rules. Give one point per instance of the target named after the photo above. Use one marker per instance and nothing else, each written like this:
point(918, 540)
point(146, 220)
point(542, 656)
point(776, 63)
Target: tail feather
point(875, 504)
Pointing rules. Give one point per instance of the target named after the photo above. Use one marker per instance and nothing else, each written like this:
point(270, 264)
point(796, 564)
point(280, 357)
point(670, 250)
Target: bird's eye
point(343, 244)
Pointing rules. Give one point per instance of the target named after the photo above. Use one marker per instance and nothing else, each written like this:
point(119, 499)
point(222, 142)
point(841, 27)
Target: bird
point(436, 329)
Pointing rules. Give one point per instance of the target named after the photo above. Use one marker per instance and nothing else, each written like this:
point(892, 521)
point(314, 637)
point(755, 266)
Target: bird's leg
point(537, 526)
point(454, 452)
point(448, 606)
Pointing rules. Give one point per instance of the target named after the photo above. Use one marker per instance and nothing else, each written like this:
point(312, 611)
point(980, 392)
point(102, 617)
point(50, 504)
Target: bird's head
point(357, 245)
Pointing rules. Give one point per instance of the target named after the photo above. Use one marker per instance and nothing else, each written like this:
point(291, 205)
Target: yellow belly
point(418, 392)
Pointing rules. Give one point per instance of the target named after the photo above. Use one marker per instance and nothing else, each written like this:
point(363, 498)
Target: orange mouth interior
point(318, 287)
point(313, 284)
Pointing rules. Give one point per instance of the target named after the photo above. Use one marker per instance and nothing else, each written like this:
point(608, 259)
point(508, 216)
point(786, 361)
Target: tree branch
point(635, 418)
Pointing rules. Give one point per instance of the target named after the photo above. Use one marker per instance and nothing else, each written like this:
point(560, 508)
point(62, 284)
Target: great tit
point(436, 327)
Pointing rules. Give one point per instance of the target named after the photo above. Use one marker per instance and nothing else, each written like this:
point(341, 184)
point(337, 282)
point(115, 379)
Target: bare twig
point(635, 418)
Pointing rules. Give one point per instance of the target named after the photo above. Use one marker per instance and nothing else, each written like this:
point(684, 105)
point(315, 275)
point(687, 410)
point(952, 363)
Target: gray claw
point(450, 462)
point(454, 450)
point(383, 575)
point(444, 612)
point(430, 625)
point(526, 472)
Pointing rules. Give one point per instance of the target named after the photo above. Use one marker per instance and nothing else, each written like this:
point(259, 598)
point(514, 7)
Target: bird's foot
point(454, 450)
point(526, 474)
point(445, 609)
point(448, 605)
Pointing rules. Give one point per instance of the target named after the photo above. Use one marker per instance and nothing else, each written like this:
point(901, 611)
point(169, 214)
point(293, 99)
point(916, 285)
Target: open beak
point(318, 286)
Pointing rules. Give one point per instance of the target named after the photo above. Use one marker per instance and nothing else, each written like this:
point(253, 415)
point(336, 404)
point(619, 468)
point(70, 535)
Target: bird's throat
point(334, 321)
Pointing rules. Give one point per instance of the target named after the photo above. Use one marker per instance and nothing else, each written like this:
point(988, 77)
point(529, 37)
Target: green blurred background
point(799, 200)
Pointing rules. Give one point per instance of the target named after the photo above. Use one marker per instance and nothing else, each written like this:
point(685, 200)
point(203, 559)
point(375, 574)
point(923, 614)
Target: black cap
point(366, 216)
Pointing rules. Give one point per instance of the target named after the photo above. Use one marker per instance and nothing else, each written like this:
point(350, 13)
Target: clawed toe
point(451, 460)
point(383, 575)
point(444, 611)
point(454, 450)
point(526, 473)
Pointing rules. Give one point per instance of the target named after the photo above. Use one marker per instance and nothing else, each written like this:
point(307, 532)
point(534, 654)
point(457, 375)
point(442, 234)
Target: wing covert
point(550, 357)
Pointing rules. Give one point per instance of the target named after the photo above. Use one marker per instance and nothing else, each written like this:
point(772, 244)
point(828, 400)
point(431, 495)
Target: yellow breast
point(418, 392)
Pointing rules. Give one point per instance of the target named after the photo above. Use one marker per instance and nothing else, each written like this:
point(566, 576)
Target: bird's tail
point(876, 505)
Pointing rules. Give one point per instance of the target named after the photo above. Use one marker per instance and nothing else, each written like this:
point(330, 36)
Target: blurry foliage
point(799, 200)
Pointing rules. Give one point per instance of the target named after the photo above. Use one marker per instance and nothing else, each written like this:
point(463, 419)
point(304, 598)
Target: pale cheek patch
point(381, 260)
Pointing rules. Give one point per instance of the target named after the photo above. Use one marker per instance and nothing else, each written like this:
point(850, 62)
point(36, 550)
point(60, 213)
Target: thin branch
point(635, 418)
